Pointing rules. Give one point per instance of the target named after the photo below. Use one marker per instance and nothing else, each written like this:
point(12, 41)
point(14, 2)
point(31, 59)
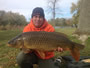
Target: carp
point(46, 41)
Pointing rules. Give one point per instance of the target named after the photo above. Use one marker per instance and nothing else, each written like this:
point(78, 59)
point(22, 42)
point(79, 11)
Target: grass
point(8, 54)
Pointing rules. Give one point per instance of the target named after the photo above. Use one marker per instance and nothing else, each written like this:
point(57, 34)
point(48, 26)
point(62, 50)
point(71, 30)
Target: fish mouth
point(9, 42)
point(9, 45)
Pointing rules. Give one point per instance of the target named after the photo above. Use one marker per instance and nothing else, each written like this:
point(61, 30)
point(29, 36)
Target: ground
point(8, 54)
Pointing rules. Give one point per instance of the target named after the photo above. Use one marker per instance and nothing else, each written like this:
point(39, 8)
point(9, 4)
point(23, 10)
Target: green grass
point(8, 54)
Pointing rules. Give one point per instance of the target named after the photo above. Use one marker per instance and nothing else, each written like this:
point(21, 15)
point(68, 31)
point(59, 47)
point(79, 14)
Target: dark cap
point(38, 10)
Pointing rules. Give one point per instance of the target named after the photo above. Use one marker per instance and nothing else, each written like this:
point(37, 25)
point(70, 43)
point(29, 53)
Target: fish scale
point(37, 39)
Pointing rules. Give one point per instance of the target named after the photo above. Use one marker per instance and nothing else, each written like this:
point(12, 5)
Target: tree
point(9, 18)
point(84, 18)
point(59, 22)
point(69, 22)
point(1, 16)
point(52, 4)
point(75, 10)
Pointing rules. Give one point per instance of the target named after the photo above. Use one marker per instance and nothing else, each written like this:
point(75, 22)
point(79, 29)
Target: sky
point(25, 7)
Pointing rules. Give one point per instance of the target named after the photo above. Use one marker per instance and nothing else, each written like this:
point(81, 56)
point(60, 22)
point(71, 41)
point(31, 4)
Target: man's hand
point(59, 49)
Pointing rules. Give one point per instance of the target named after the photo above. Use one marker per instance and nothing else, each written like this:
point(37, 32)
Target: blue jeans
point(27, 61)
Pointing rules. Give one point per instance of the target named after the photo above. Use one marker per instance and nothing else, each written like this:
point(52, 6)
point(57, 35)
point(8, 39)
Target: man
point(27, 58)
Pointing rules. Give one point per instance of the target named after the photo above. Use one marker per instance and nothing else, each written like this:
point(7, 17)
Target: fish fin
point(41, 54)
point(75, 54)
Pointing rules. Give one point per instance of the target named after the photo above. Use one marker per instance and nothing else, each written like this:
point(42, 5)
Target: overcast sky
point(25, 7)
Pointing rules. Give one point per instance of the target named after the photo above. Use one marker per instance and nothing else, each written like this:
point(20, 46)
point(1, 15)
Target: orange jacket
point(45, 27)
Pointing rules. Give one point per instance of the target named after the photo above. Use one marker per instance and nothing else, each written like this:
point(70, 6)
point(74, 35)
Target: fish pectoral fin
point(75, 54)
point(41, 53)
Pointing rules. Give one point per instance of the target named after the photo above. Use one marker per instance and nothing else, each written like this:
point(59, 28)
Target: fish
point(46, 41)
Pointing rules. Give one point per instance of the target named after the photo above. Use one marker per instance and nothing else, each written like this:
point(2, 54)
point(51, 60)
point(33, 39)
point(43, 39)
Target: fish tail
point(75, 54)
point(75, 50)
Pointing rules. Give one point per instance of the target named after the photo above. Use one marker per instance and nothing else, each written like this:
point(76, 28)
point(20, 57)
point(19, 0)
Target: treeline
point(61, 22)
point(10, 19)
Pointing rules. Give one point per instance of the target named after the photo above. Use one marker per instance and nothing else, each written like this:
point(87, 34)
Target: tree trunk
point(84, 19)
point(54, 12)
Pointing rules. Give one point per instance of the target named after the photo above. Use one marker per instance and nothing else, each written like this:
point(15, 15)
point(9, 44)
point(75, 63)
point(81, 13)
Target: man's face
point(38, 21)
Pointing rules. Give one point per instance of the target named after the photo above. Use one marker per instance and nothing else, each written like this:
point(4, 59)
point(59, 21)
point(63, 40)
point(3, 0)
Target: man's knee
point(26, 59)
point(20, 58)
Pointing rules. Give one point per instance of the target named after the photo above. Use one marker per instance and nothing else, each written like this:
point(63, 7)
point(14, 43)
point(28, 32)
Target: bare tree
point(52, 4)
